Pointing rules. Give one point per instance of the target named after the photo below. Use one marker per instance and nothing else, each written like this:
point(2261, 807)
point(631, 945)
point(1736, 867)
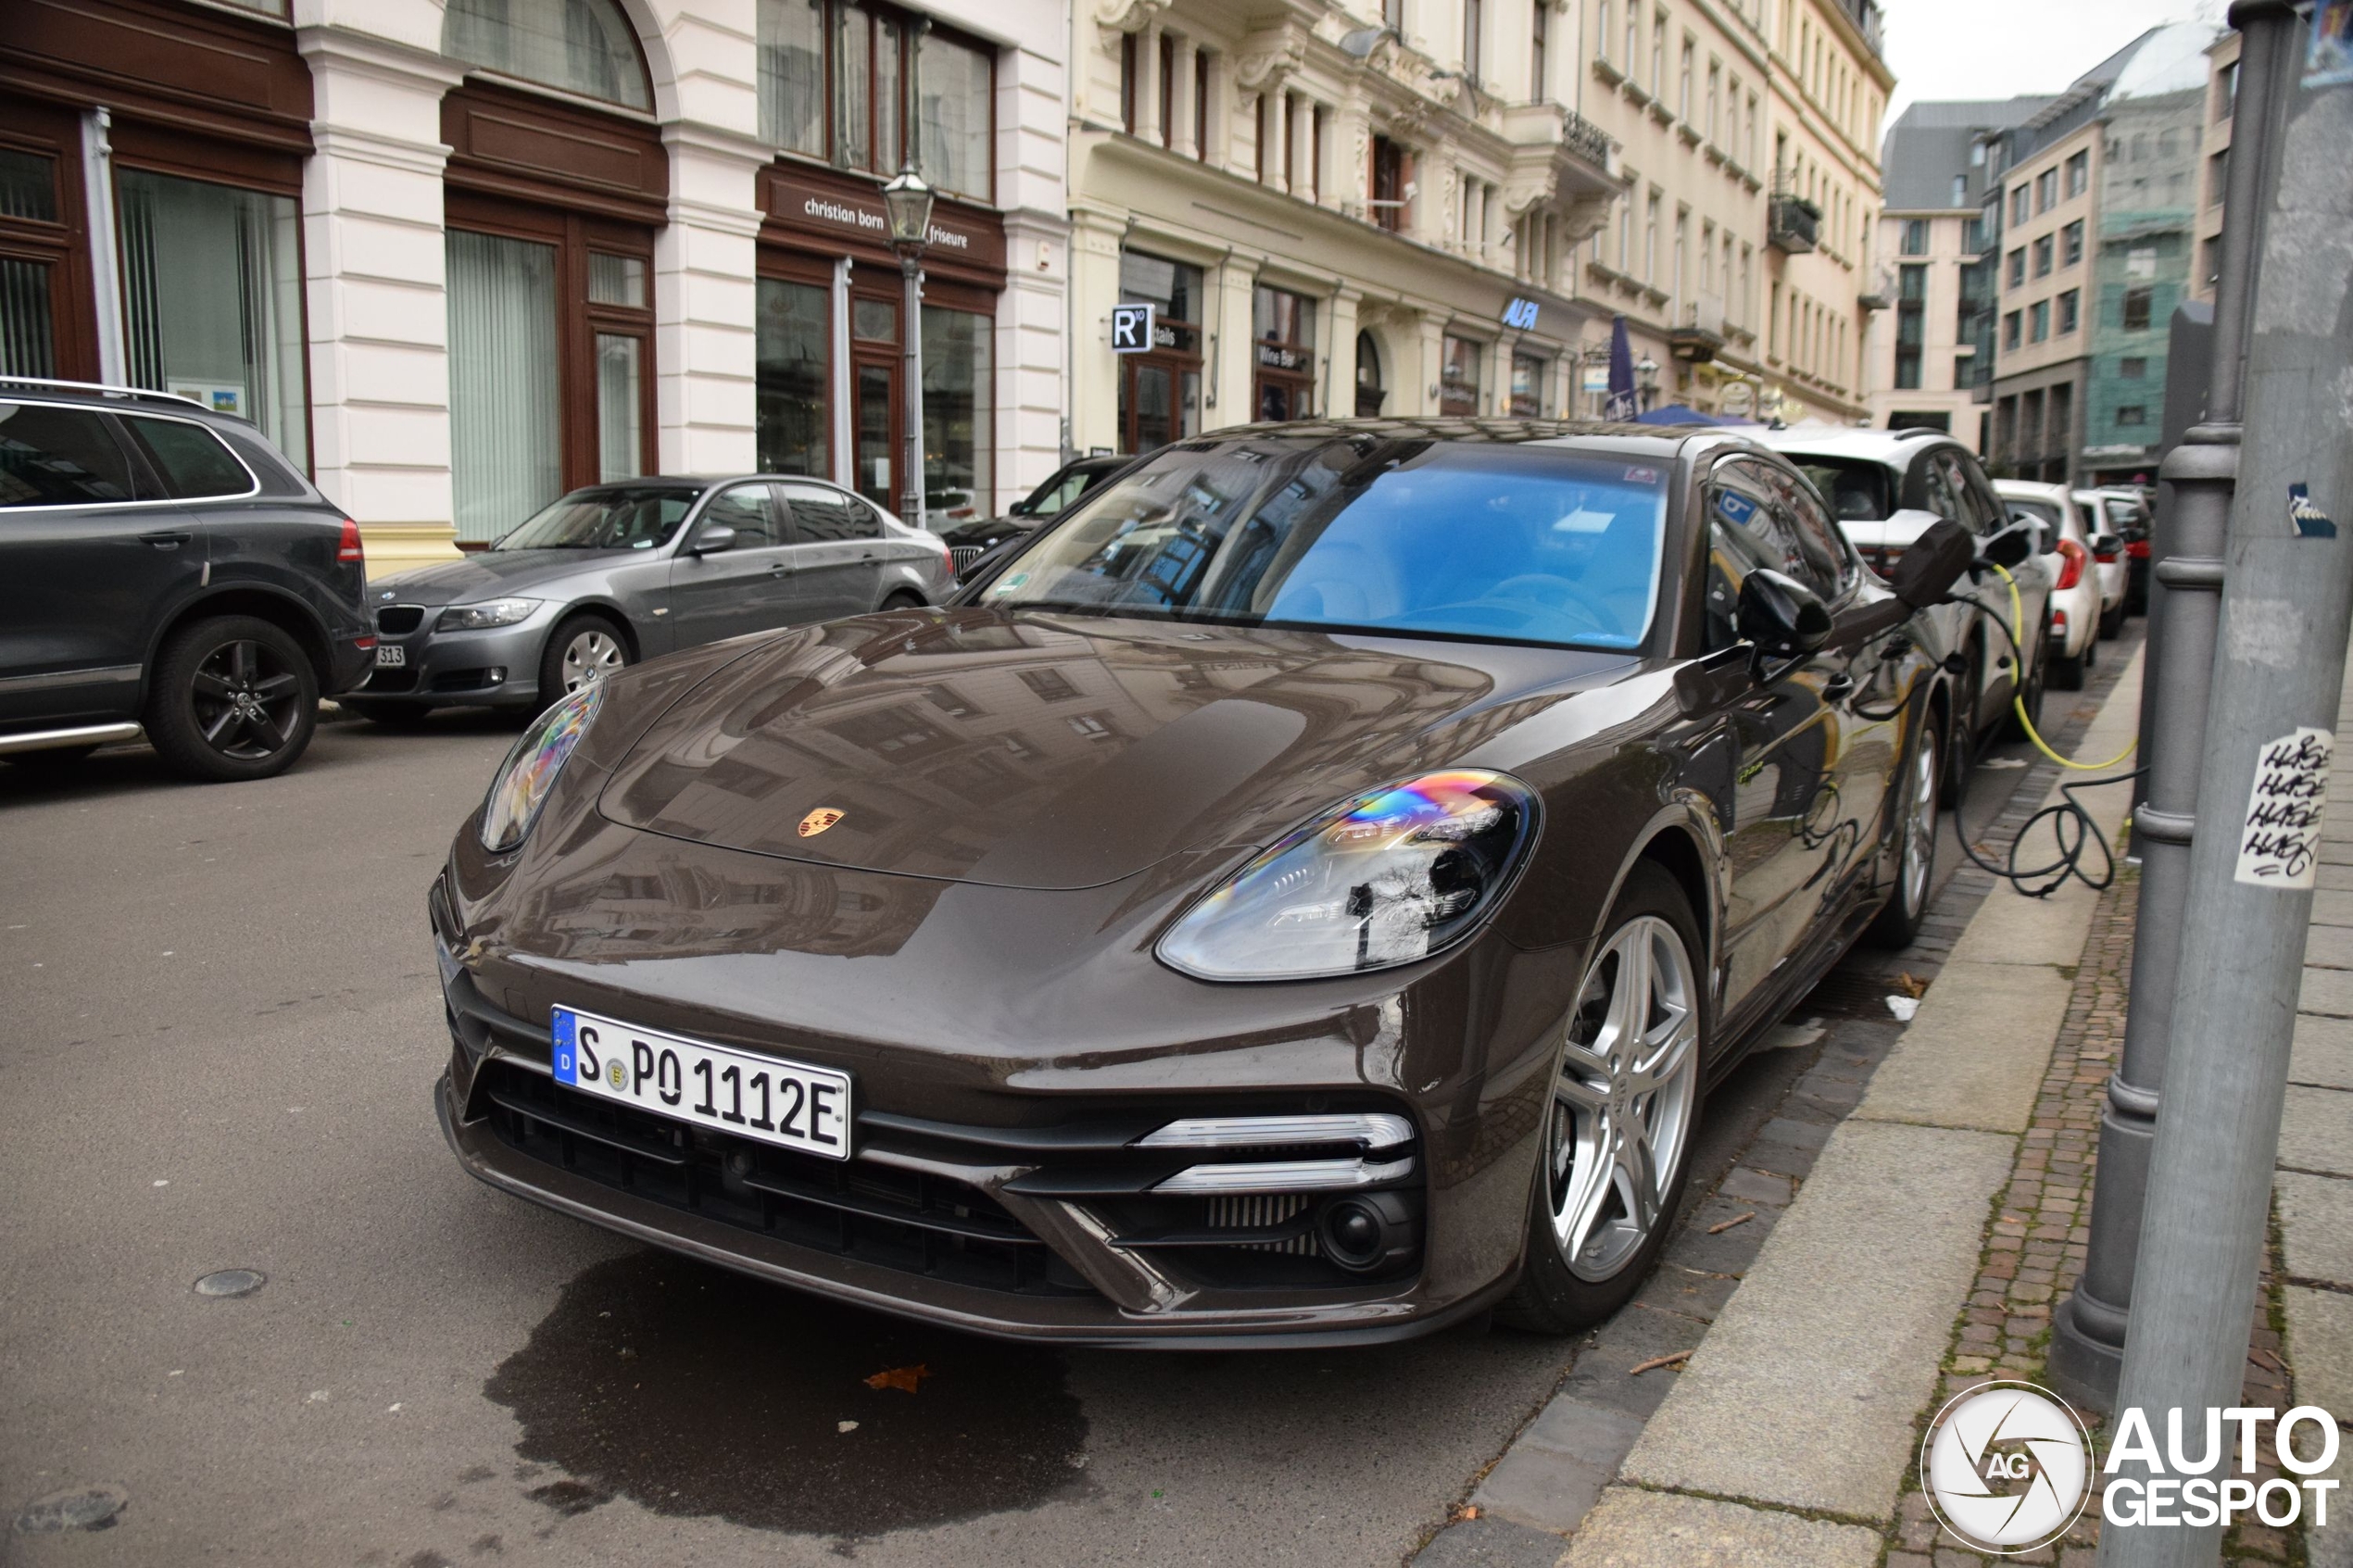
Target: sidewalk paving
point(1791, 1431)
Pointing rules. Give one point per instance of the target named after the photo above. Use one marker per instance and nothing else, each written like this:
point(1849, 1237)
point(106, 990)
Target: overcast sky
point(1996, 49)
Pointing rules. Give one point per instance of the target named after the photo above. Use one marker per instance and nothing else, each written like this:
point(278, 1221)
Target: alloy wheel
point(592, 655)
point(1622, 1104)
point(1920, 830)
point(246, 701)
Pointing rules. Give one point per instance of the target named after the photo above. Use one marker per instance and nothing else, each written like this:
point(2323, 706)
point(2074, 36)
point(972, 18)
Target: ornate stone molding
point(1268, 55)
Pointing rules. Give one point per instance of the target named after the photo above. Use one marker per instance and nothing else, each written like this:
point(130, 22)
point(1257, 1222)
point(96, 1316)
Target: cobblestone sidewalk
point(2034, 1249)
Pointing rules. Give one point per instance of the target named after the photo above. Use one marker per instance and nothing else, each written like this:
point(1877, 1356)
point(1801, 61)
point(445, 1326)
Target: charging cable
point(2072, 826)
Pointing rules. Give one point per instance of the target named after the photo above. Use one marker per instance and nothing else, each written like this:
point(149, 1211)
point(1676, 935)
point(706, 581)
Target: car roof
point(1892, 449)
point(1661, 443)
point(117, 399)
point(2036, 489)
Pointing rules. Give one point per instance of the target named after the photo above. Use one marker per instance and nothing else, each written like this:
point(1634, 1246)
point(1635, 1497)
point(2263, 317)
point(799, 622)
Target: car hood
point(486, 574)
point(1052, 751)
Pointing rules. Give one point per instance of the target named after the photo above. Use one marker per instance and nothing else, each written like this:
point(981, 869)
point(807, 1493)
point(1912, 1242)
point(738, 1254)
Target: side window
point(1729, 563)
point(821, 516)
point(1742, 497)
point(1819, 535)
point(60, 458)
point(1937, 478)
point(744, 508)
point(1052, 503)
point(1983, 509)
point(193, 462)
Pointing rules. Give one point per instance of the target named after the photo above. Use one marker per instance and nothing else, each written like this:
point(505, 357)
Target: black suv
point(164, 569)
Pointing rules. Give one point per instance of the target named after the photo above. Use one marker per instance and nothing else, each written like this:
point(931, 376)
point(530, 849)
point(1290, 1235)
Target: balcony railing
point(1791, 224)
point(1585, 139)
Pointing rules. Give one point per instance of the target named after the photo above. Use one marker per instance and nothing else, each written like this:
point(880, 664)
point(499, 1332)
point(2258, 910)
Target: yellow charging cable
point(2017, 700)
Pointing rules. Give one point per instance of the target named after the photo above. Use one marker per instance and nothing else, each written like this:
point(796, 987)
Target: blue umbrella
point(1621, 404)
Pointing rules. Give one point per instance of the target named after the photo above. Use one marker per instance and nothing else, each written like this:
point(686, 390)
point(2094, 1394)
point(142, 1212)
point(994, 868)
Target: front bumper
point(498, 667)
point(980, 1114)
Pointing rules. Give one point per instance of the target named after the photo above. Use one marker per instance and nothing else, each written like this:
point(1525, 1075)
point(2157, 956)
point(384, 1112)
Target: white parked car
point(2115, 520)
point(2076, 595)
point(1886, 487)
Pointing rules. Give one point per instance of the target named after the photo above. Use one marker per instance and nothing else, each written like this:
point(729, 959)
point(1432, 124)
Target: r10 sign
point(1131, 328)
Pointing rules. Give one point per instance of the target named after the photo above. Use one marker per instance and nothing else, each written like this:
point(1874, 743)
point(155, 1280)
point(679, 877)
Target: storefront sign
point(821, 203)
point(1520, 313)
point(1277, 358)
point(1131, 330)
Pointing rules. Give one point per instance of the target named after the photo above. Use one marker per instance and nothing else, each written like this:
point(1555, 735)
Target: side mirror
point(1780, 615)
point(2011, 547)
point(1937, 559)
point(715, 537)
point(1019, 508)
point(2107, 547)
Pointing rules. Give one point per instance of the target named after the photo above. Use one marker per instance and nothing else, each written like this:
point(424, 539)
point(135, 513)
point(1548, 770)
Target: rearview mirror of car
point(1781, 616)
point(2107, 547)
point(715, 538)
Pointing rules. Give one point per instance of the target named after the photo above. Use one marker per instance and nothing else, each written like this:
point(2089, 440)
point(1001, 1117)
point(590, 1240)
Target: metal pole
point(2279, 667)
point(911, 390)
point(2088, 1329)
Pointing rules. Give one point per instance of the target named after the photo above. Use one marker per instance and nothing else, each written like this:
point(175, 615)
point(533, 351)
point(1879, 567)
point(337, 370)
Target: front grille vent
point(398, 620)
point(963, 556)
point(1263, 1212)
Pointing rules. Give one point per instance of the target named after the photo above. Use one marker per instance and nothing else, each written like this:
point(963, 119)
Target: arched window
point(583, 46)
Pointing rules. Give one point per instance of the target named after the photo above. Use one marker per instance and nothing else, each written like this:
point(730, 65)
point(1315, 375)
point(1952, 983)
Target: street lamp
point(907, 203)
point(1646, 381)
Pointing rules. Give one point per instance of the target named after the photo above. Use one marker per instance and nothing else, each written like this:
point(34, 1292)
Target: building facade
point(1923, 346)
point(460, 259)
point(2094, 243)
point(1328, 211)
point(2214, 163)
point(1752, 182)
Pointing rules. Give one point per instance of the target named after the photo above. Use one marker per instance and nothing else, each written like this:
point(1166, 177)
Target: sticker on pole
point(2328, 58)
point(2280, 843)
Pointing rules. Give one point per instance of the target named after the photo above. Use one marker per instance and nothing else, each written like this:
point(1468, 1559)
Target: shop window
point(959, 432)
point(213, 300)
point(583, 46)
point(505, 423)
point(873, 61)
point(1528, 386)
point(29, 210)
point(1370, 391)
point(1458, 382)
point(1160, 390)
point(795, 359)
point(1282, 331)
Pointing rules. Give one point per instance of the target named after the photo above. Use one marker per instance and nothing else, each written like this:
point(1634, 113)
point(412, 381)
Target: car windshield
point(1858, 489)
point(2042, 509)
point(1507, 543)
point(632, 516)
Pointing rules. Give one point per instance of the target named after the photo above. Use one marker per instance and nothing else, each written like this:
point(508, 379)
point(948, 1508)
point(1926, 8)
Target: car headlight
point(521, 784)
point(1383, 878)
point(483, 616)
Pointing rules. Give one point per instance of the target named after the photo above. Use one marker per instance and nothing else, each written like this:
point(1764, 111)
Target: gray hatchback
point(618, 572)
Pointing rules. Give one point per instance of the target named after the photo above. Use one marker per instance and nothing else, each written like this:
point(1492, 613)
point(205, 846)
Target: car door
point(1782, 837)
point(92, 557)
point(838, 548)
point(746, 587)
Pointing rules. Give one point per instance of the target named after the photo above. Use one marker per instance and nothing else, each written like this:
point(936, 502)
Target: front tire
point(2112, 621)
point(1899, 921)
point(232, 698)
point(1617, 1126)
point(583, 651)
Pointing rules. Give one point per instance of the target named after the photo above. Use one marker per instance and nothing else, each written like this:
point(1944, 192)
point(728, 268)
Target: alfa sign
point(1131, 328)
point(1520, 313)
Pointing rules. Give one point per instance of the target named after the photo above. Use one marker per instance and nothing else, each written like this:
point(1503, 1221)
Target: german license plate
point(785, 1103)
point(390, 658)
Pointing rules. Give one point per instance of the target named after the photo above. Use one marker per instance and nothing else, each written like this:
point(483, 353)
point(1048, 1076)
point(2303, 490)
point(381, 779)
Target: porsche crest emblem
point(818, 822)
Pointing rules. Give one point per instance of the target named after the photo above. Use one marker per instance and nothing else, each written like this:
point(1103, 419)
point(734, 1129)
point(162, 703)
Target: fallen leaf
point(1677, 1358)
point(2265, 1358)
point(1464, 1511)
point(1910, 985)
point(900, 1378)
point(1722, 1226)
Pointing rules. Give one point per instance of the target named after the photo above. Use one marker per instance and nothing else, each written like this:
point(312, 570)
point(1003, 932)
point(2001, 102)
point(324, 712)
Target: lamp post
point(1646, 382)
point(907, 202)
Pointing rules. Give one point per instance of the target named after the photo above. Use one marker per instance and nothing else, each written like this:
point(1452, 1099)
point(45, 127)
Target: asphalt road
point(221, 1028)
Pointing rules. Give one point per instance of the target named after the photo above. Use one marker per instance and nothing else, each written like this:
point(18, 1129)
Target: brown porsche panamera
point(1304, 894)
